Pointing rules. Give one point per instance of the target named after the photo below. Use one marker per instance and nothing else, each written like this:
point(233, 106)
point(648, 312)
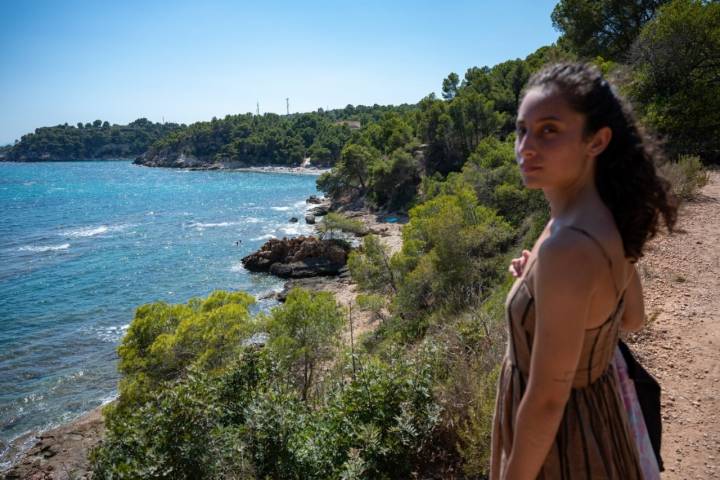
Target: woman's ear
point(599, 142)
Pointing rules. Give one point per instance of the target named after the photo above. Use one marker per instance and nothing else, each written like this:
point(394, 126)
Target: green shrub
point(475, 427)
point(163, 340)
point(370, 266)
point(378, 424)
point(334, 221)
point(375, 304)
point(687, 175)
point(303, 333)
point(394, 180)
point(252, 418)
point(190, 429)
point(452, 254)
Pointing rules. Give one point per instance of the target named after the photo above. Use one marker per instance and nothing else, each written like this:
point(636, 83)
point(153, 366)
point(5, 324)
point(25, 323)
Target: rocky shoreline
point(61, 453)
point(187, 161)
point(230, 167)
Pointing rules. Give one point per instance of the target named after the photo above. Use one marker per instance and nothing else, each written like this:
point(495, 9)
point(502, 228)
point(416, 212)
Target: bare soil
point(680, 345)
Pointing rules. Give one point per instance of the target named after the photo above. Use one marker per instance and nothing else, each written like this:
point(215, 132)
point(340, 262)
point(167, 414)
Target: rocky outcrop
point(320, 210)
point(299, 257)
point(61, 452)
point(339, 285)
point(170, 158)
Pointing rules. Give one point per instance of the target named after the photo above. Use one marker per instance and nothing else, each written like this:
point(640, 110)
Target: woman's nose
point(525, 147)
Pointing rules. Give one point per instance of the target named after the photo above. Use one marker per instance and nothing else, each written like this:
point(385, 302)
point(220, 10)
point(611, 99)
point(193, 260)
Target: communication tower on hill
point(258, 108)
point(287, 105)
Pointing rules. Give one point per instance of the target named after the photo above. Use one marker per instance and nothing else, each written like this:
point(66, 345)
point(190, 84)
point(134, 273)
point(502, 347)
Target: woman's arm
point(565, 277)
point(634, 313)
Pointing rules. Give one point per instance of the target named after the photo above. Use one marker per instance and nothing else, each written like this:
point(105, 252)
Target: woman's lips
point(529, 168)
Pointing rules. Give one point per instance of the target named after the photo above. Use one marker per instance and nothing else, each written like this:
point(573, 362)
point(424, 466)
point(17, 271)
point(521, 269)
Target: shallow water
point(84, 243)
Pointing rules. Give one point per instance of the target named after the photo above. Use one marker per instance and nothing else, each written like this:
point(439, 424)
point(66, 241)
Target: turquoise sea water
point(84, 243)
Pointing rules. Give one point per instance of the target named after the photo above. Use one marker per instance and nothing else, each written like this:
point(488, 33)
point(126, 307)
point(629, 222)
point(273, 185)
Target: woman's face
point(550, 147)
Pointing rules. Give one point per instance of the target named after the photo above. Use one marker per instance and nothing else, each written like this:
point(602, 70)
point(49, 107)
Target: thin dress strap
point(604, 253)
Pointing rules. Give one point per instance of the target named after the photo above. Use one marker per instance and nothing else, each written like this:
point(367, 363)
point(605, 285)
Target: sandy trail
point(681, 343)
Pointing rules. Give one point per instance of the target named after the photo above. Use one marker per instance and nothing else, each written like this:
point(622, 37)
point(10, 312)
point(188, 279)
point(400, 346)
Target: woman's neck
point(565, 201)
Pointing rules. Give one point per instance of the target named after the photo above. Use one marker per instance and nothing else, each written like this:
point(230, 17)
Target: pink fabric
point(648, 462)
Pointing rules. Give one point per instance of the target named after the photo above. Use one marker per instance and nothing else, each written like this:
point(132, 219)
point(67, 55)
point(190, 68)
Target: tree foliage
point(491, 171)
point(98, 140)
point(378, 164)
point(337, 222)
point(605, 28)
point(303, 332)
point(676, 76)
point(370, 266)
point(163, 340)
point(248, 421)
point(451, 253)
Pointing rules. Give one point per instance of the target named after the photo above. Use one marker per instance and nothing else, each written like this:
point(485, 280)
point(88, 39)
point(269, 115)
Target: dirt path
point(681, 344)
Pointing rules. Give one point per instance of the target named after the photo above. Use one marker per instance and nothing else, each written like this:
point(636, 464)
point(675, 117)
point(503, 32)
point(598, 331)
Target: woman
point(558, 413)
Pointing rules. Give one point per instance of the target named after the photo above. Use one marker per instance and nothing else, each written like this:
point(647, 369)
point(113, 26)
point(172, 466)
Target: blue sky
point(77, 61)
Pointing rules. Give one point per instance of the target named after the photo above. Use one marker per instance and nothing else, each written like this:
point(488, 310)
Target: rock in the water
point(299, 257)
point(320, 210)
point(310, 267)
point(313, 199)
point(310, 218)
point(293, 220)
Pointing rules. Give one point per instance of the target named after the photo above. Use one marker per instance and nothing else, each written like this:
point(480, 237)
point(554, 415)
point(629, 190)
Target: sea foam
point(92, 231)
point(200, 225)
point(43, 248)
point(267, 236)
point(237, 267)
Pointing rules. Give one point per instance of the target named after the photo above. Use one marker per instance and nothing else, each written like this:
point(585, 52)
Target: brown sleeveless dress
point(593, 440)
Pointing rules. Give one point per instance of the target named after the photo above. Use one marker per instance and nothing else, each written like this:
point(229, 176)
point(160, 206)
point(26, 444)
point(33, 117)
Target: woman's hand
point(517, 265)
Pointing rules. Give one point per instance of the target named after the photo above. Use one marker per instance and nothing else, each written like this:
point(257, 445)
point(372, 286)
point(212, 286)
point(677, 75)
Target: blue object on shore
point(391, 219)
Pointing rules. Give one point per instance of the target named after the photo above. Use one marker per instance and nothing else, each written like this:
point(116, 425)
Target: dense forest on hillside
point(268, 139)
point(202, 397)
point(89, 141)
point(669, 69)
point(243, 139)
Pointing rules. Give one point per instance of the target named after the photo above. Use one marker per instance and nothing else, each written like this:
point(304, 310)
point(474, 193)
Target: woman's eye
point(548, 129)
point(520, 130)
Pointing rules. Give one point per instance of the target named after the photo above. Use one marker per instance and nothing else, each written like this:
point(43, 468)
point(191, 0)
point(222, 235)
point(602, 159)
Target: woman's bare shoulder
point(569, 254)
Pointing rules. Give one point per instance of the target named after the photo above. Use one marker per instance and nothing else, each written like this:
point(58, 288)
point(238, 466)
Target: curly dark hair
point(625, 173)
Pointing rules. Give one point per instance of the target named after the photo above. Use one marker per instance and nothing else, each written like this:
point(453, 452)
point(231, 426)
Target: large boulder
point(320, 210)
point(299, 257)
